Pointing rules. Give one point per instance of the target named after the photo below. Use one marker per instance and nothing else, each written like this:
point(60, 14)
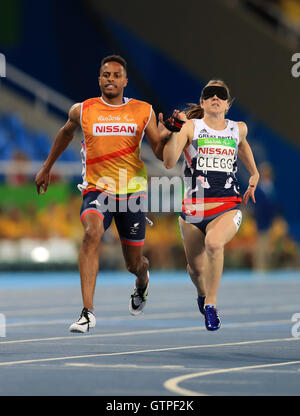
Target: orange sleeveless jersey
point(111, 146)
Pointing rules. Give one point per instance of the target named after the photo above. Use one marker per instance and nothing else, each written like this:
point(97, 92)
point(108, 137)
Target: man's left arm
point(157, 136)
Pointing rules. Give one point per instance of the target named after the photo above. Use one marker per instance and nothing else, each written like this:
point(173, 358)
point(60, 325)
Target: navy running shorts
point(211, 214)
point(128, 212)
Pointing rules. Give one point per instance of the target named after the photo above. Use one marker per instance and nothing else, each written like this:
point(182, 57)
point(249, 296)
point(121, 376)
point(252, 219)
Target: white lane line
point(147, 332)
point(140, 367)
point(172, 383)
point(225, 311)
point(108, 319)
point(81, 337)
point(36, 323)
point(114, 354)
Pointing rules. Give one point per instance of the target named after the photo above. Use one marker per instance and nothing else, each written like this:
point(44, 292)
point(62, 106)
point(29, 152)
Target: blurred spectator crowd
point(262, 243)
point(19, 143)
point(250, 249)
point(284, 15)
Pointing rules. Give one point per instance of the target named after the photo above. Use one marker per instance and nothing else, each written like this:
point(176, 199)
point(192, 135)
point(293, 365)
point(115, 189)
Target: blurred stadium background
point(53, 52)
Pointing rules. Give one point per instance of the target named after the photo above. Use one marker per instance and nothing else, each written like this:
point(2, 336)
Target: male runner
point(114, 179)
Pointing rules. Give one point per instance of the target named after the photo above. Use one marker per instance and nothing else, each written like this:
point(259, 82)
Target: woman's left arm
point(246, 156)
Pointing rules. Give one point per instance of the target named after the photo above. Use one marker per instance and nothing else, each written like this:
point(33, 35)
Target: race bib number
point(216, 154)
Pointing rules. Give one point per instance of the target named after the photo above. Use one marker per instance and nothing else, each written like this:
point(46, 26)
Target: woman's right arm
point(176, 143)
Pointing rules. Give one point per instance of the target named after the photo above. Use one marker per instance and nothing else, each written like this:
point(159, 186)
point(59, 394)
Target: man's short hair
point(114, 58)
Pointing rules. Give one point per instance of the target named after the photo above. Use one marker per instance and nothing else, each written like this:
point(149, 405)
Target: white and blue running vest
point(210, 164)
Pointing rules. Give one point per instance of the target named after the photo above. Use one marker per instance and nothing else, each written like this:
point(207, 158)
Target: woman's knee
point(195, 270)
point(213, 246)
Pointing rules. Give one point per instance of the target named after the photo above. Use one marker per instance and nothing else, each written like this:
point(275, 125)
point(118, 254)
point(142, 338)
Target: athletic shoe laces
point(139, 296)
point(85, 314)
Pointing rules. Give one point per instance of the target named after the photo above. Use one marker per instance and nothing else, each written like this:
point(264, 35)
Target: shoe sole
point(81, 329)
point(138, 310)
point(213, 329)
point(141, 307)
point(78, 329)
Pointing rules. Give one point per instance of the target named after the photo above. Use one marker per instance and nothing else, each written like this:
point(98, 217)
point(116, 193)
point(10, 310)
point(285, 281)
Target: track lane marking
point(41, 360)
point(146, 332)
point(172, 383)
point(241, 310)
point(135, 366)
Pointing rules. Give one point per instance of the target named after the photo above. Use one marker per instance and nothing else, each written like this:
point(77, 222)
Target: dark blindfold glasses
point(211, 91)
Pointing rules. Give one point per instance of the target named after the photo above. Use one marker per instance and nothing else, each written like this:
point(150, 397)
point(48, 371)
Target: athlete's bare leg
point(136, 264)
point(89, 257)
point(195, 254)
point(205, 254)
point(218, 233)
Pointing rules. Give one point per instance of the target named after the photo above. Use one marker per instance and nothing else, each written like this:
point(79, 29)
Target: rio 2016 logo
point(2, 66)
point(296, 67)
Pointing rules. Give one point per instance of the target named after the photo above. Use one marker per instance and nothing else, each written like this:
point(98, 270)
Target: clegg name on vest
point(114, 129)
point(216, 154)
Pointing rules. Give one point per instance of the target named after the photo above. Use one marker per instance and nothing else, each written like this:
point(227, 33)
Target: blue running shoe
point(212, 320)
point(200, 301)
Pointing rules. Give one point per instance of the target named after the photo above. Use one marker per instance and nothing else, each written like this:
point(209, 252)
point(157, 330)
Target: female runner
point(211, 213)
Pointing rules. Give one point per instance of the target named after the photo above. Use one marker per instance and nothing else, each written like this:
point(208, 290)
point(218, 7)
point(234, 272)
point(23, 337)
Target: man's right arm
point(61, 142)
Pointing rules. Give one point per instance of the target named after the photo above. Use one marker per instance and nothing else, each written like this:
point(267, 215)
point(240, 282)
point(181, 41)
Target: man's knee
point(92, 236)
